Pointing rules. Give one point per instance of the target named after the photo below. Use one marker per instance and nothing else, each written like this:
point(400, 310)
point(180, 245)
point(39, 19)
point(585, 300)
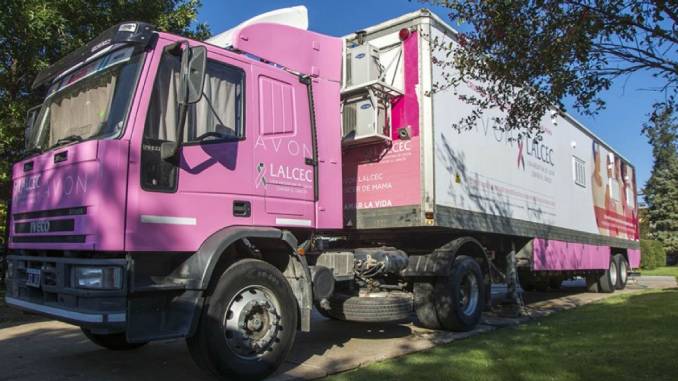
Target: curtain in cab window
point(82, 110)
point(219, 110)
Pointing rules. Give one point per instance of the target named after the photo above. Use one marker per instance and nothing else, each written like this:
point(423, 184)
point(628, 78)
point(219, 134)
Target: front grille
point(49, 238)
point(77, 211)
point(45, 226)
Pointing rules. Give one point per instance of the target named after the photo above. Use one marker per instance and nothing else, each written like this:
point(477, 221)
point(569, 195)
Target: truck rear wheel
point(249, 323)
point(424, 305)
point(622, 271)
point(112, 341)
point(394, 306)
point(459, 297)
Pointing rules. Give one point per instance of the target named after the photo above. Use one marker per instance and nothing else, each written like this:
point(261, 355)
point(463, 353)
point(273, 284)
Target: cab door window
point(218, 116)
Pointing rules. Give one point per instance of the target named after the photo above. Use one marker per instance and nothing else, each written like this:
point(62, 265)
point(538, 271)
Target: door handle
point(242, 208)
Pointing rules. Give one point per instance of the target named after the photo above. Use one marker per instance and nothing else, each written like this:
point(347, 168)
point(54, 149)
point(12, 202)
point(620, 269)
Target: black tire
point(607, 282)
point(424, 305)
point(555, 282)
point(527, 285)
point(622, 271)
point(112, 341)
point(592, 283)
point(212, 347)
point(541, 285)
point(452, 313)
point(370, 309)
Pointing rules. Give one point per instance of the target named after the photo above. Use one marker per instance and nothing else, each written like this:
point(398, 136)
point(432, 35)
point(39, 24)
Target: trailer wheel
point(394, 306)
point(424, 305)
point(459, 297)
point(249, 323)
point(112, 341)
point(608, 281)
point(623, 271)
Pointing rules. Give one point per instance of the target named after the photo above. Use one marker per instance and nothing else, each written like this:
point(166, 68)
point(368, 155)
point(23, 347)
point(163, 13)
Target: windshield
point(91, 102)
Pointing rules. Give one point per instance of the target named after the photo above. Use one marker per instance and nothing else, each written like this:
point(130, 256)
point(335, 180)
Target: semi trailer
point(218, 191)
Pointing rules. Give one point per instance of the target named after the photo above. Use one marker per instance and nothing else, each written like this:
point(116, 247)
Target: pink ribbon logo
point(521, 155)
point(261, 180)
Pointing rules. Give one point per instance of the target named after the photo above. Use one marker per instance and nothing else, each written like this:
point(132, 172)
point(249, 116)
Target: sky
point(628, 101)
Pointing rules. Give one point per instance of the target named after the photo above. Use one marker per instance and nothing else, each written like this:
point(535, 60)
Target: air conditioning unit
point(362, 65)
point(366, 99)
point(365, 119)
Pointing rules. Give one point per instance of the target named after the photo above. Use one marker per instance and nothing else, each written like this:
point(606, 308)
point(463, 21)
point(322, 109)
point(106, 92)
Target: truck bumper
point(45, 286)
point(67, 315)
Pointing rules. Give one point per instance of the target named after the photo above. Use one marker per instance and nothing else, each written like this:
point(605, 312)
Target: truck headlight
point(98, 277)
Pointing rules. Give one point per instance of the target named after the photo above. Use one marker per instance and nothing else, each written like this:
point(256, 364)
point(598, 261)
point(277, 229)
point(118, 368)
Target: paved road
point(51, 350)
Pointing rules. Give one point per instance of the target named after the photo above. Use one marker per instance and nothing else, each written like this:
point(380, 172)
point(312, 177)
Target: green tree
point(661, 190)
point(36, 33)
point(530, 55)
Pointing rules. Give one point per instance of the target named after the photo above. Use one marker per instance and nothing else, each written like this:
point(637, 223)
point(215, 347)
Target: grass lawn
point(670, 271)
point(625, 337)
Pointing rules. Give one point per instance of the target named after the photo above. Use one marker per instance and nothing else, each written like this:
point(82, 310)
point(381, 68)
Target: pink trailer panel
point(380, 176)
point(634, 258)
point(552, 255)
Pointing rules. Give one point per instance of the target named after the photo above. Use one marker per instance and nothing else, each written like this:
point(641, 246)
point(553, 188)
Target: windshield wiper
point(68, 139)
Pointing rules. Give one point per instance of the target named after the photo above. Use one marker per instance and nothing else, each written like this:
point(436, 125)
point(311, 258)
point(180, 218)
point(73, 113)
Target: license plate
point(33, 277)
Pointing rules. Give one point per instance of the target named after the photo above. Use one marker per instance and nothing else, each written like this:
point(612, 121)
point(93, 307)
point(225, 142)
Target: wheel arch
point(435, 263)
point(274, 246)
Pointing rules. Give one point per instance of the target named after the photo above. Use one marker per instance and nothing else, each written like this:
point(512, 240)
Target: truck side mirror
point(192, 79)
point(193, 62)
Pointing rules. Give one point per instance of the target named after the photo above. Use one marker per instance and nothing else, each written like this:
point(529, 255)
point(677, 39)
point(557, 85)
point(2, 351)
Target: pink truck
point(218, 191)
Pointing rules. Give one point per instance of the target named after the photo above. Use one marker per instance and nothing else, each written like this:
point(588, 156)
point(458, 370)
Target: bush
point(652, 254)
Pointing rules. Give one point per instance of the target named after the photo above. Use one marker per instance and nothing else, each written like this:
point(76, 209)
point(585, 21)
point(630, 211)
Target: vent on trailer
point(366, 99)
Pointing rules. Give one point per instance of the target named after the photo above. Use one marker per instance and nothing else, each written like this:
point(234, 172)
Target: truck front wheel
point(249, 323)
point(112, 341)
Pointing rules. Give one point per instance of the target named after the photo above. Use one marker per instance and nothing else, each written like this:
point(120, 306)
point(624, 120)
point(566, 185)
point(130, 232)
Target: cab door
point(174, 205)
point(283, 149)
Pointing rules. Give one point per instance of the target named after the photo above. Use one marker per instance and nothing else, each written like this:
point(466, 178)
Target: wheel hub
point(252, 322)
point(468, 294)
point(613, 273)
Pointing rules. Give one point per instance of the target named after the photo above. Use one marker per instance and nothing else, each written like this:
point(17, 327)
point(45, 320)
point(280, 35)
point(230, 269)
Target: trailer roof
point(426, 13)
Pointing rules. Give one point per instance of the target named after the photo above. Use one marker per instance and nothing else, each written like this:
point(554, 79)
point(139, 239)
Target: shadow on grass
point(626, 337)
